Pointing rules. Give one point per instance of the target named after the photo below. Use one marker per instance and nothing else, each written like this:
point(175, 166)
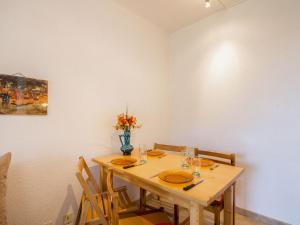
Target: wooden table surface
point(215, 183)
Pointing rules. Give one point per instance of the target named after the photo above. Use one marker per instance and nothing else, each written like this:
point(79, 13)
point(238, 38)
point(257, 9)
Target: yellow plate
point(123, 161)
point(204, 162)
point(176, 176)
point(155, 152)
point(207, 162)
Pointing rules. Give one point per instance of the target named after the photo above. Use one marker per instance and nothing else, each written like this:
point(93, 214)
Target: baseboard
point(252, 215)
point(259, 218)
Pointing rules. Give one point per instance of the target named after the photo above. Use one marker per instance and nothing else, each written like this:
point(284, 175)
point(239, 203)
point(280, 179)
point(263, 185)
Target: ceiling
point(171, 15)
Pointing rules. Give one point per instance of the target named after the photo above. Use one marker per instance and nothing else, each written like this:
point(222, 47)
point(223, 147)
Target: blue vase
point(126, 147)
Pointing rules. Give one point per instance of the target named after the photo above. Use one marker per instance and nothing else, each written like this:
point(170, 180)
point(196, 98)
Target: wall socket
point(68, 219)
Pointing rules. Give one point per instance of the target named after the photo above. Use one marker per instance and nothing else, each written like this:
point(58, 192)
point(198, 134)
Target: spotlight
point(207, 4)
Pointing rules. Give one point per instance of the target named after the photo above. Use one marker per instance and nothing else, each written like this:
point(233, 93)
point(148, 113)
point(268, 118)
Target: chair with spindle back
point(171, 148)
point(223, 158)
point(134, 218)
point(94, 206)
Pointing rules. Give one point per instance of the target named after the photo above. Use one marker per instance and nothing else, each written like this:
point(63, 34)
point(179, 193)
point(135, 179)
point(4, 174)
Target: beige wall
point(235, 87)
point(97, 57)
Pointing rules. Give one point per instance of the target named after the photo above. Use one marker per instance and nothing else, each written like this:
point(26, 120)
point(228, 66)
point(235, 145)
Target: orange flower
point(125, 122)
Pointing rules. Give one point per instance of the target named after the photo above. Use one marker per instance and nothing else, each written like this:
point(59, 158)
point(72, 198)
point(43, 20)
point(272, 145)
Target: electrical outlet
point(68, 219)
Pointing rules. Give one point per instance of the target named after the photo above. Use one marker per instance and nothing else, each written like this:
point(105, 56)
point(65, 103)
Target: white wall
point(97, 57)
point(236, 88)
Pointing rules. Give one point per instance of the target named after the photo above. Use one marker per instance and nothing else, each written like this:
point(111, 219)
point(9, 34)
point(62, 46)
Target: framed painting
point(23, 96)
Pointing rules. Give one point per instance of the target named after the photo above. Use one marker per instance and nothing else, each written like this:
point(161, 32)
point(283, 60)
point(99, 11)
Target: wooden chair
point(172, 148)
point(94, 206)
point(138, 218)
point(229, 159)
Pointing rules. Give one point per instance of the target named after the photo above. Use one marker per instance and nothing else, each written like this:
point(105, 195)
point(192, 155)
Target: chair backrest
point(172, 148)
point(223, 158)
point(83, 167)
point(90, 197)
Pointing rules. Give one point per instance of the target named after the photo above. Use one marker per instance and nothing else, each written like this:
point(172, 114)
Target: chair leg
point(217, 217)
point(84, 213)
point(142, 199)
point(78, 213)
point(176, 215)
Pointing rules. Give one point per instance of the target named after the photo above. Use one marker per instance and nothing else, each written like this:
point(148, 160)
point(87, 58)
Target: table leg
point(102, 178)
point(196, 214)
point(233, 202)
point(176, 215)
point(228, 207)
point(142, 199)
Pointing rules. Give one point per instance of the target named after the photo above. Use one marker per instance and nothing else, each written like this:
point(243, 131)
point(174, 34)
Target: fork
point(155, 175)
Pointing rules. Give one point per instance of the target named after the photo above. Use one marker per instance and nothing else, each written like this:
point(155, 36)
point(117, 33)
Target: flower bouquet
point(126, 122)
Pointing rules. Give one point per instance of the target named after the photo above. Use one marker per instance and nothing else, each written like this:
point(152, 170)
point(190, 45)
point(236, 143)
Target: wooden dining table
point(216, 182)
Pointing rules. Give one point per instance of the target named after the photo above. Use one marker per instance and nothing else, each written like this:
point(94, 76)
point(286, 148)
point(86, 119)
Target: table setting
point(178, 173)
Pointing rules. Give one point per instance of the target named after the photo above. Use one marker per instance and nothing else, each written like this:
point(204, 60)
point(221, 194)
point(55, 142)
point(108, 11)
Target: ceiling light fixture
point(207, 4)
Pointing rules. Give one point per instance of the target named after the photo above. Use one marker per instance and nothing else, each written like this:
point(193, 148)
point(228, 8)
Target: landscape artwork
point(23, 96)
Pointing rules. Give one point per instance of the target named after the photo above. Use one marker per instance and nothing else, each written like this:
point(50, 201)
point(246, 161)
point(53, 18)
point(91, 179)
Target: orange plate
point(155, 152)
point(207, 162)
point(176, 176)
point(123, 161)
point(204, 162)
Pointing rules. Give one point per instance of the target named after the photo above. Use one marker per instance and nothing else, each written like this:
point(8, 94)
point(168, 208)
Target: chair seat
point(158, 218)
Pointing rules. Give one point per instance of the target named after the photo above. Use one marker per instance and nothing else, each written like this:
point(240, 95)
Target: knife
point(156, 175)
point(215, 167)
point(130, 166)
point(186, 188)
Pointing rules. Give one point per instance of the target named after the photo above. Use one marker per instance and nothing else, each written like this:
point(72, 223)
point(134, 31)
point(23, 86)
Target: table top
point(215, 181)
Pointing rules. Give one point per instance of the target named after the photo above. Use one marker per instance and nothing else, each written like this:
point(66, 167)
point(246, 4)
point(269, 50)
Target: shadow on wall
point(69, 205)
point(133, 191)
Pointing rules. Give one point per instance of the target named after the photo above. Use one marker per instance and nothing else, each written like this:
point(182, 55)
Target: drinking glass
point(184, 163)
point(185, 159)
point(196, 165)
point(190, 152)
point(143, 154)
point(188, 155)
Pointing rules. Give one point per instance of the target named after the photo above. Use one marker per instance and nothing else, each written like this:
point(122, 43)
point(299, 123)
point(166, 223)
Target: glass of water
point(188, 155)
point(196, 165)
point(184, 161)
point(143, 154)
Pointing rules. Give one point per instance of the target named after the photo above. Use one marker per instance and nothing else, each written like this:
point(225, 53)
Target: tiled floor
point(209, 218)
point(240, 220)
